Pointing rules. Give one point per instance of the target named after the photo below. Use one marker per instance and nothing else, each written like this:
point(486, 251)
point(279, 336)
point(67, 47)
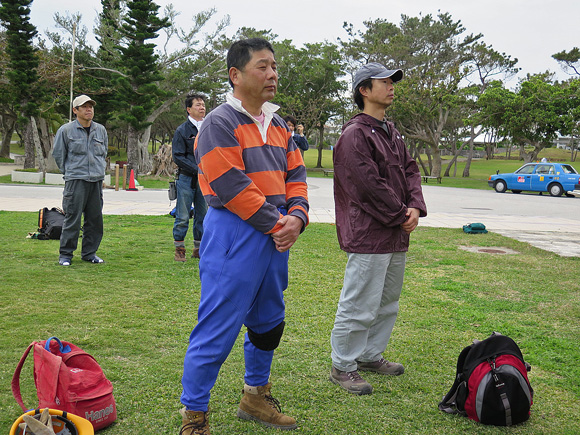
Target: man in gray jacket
point(378, 200)
point(80, 150)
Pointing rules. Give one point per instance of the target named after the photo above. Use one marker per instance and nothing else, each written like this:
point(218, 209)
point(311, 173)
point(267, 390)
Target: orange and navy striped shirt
point(250, 170)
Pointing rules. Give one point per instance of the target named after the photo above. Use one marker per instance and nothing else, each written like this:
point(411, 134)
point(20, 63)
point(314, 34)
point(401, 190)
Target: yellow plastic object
point(62, 423)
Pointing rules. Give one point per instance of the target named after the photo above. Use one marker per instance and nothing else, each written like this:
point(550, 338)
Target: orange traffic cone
point(132, 181)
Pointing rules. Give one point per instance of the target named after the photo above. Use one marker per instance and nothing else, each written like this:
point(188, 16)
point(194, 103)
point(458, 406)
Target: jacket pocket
point(100, 147)
point(77, 146)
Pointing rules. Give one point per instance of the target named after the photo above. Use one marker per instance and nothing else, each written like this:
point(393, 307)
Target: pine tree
point(138, 91)
point(25, 91)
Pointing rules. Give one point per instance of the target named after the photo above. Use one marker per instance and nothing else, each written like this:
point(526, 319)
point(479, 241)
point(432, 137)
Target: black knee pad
point(268, 340)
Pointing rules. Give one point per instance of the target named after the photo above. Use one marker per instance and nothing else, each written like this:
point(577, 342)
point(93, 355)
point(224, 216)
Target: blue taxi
point(555, 178)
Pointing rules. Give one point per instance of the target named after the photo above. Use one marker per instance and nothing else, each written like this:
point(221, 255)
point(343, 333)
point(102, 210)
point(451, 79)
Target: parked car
point(555, 178)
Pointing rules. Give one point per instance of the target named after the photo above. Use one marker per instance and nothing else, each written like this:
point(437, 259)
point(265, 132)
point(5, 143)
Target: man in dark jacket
point(378, 200)
point(188, 190)
point(297, 134)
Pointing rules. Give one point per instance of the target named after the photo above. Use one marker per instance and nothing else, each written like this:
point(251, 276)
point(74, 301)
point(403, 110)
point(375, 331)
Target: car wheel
point(555, 189)
point(500, 186)
point(516, 191)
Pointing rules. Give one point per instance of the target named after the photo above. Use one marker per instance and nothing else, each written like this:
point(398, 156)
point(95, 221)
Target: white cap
point(82, 99)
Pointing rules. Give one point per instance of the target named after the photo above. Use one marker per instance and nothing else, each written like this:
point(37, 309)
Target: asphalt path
point(547, 222)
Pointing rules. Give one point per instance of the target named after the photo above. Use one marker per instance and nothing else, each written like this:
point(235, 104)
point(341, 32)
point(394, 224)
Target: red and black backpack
point(491, 384)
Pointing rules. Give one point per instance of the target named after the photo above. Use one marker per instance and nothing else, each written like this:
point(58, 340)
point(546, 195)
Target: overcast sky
point(529, 30)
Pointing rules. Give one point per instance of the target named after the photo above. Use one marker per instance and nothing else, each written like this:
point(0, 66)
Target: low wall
point(27, 177)
point(50, 178)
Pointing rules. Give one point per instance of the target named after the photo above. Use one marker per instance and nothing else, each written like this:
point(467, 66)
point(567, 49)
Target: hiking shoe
point(194, 422)
point(350, 381)
point(382, 366)
point(94, 260)
point(258, 405)
point(180, 253)
point(64, 261)
point(195, 253)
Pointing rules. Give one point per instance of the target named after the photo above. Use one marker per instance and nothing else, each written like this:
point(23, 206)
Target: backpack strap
point(508, 409)
point(448, 403)
point(16, 378)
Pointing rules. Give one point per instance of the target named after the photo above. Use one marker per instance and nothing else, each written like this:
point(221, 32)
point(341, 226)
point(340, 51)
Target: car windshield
point(527, 169)
point(569, 169)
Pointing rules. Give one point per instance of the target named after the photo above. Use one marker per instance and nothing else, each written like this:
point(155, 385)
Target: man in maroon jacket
point(378, 200)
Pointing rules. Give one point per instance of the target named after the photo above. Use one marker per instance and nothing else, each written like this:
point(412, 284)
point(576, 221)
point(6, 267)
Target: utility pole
point(72, 64)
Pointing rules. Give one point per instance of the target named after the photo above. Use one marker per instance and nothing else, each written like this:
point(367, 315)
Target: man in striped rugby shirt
point(254, 181)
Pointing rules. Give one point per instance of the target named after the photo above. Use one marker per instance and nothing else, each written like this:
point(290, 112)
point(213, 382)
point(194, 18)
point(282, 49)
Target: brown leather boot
point(258, 404)
point(194, 422)
point(180, 253)
point(196, 245)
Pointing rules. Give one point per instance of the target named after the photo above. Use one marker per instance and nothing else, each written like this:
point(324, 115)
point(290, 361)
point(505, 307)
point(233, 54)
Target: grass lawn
point(134, 314)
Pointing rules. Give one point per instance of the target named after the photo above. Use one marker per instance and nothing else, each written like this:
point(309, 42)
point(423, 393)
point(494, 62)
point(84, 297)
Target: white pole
point(72, 64)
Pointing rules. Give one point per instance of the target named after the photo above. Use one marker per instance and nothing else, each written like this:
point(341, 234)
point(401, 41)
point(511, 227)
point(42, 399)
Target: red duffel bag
point(69, 379)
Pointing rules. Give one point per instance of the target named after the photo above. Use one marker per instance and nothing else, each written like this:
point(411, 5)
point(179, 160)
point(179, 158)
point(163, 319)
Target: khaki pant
point(367, 309)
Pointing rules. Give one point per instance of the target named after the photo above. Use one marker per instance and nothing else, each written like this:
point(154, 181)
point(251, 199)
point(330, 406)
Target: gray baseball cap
point(82, 99)
point(375, 70)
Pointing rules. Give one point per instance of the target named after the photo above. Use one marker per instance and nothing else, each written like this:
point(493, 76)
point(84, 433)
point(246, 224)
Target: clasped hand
point(288, 234)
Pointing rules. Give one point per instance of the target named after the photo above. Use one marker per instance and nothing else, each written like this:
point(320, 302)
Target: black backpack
point(491, 384)
point(50, 223)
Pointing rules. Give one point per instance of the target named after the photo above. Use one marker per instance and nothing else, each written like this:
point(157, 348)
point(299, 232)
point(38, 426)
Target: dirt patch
point(494, 250)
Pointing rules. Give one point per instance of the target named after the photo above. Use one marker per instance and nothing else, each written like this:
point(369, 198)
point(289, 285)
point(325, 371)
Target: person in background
point(254, 181)
point(378, 202)
point(297, 134)
point(80, 151)
point(188, 191)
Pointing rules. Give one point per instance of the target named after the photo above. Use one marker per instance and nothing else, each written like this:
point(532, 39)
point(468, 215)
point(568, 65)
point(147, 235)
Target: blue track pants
point(243, 278)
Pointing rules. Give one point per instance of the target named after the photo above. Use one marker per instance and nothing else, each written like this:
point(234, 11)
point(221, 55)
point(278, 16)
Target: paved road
point(546, 222)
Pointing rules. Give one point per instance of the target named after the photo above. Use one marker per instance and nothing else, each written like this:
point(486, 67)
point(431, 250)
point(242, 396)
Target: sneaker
point(194, 422)
point(180, 253)
point(350, 381)
point(95, 260)
point(64, 261)
point(382, 366)
point(258, 405)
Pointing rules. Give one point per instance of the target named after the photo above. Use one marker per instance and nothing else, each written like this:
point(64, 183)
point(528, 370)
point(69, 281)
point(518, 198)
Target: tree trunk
point(532, 155)
point(8, 126)
point(454, 159)
point(29, 150)
point(416, 154)
point(145, 161)
point(429, 168)
point(163, 164)
point(132, 150)
point(138, 156)
point(470, 154)
point(47, 139)
point(320, 146)
point(422, 164)
point(489, 151)
point(524, 155)
point(37, 146)
point(436, 159)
